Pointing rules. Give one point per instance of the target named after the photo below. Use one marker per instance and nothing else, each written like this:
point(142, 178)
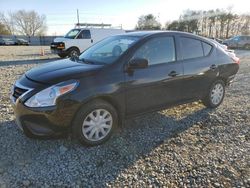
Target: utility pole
point(78, 17)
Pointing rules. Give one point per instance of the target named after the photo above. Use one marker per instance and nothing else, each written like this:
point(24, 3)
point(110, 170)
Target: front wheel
point(215, 94)
point(95, 122)
point(74, 53)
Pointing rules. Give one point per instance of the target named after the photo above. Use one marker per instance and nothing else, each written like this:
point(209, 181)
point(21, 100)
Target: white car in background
point(79, 39)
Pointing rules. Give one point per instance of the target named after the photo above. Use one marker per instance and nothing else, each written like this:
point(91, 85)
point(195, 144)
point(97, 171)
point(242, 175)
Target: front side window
point(191, 48)
point(85, 34)
point(108, 50)
point(157, 50)
point(72, 33)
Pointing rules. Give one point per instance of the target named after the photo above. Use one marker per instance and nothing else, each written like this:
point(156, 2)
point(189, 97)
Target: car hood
point(61, 70)
point(60, 39)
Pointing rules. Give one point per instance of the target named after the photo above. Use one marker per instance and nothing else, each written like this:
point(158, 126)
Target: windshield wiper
point(87, 61)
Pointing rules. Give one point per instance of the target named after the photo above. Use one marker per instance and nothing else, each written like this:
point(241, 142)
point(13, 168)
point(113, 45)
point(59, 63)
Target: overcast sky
point(61, 14)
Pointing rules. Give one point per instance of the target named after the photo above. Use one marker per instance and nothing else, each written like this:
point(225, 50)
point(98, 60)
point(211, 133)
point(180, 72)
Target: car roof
point(155, 32)
point(143, 34)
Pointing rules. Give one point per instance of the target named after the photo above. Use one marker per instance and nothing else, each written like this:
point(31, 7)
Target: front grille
point(55, 45)
point(17, 92)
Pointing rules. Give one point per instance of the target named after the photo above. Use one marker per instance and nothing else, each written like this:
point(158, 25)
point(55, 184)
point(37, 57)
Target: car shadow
point(26, 62)
point(94, 166)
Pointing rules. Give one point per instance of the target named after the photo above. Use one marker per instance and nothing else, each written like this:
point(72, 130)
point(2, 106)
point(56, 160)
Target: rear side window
point(85, 34)
point(191, 48)
point(157, 50)
point(207, 48)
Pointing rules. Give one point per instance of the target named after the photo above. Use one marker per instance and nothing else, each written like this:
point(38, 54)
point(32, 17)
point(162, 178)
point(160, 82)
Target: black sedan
point(120, 77)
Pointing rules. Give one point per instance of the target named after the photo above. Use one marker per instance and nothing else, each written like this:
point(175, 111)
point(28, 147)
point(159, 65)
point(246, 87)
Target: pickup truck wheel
point(215, 94)
point(74, 53)
point(95, 122)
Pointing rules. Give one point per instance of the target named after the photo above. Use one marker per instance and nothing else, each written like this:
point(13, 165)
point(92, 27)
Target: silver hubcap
point(217, 93)
point(97, 125)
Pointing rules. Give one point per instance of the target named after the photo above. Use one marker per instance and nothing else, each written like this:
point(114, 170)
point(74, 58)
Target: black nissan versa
point(119, 77)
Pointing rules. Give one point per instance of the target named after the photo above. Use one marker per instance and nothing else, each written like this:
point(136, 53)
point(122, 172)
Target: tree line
point(212, 23)
point(28, 23)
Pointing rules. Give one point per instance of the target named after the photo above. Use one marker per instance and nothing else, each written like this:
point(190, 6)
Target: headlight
point(48, 96)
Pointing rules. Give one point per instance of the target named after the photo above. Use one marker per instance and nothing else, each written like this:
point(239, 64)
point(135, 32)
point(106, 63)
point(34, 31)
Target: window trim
point(201, 41)
point(161, 36)
point(81, 33)
point(204, 51)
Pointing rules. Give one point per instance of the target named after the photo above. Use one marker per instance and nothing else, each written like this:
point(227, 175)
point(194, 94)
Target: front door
point(84, 40)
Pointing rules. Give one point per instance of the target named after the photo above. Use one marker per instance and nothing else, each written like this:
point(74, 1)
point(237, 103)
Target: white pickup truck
point(79, 39)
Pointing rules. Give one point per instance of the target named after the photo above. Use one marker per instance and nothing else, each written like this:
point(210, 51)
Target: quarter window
point(157, 50)
point(191, 48)
point(207, 48)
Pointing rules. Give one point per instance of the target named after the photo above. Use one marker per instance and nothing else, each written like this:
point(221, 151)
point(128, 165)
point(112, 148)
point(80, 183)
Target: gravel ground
point(185, 146)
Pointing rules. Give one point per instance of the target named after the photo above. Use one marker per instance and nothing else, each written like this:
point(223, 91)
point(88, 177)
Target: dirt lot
point(14, 53)
point(185, 146)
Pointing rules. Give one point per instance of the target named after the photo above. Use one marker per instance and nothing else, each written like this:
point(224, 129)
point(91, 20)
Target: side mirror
point(138, 63)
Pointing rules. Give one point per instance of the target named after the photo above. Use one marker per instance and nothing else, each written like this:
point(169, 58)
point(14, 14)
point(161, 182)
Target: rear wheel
point(215, 95)
point(95, 122)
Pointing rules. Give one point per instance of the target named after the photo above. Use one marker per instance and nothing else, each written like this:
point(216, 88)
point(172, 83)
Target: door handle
point(213, 67)
point(173, 74)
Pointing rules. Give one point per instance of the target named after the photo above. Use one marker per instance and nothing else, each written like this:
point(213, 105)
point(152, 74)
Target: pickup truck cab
point(79, 39)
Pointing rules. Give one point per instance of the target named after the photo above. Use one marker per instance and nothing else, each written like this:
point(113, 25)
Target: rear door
point(159, 84)
point(84, 40)
point(200, 67)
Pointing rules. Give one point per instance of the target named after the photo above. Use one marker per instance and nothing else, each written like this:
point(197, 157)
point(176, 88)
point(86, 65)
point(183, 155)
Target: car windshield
point(108, 50)
point(72, 33)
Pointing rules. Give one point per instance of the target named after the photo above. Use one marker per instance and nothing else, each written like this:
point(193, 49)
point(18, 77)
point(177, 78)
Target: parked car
point(122, 76)
point(22, 42)
point(7, 42)
point(230, 52)
point(1, 42)
point(238, 42)
point(77, 40)
point(219, 44)
point(217, 39)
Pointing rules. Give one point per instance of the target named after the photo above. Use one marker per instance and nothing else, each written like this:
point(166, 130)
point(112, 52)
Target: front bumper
point(57, 49)
point(44, 121)
point(41, 123)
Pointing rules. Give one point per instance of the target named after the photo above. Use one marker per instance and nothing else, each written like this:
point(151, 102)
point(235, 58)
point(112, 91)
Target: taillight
point(236, 60)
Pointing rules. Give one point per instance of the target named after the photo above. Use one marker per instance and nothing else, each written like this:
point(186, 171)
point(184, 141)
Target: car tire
point(215, 94)
point(74, 53)
point(95, 122)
